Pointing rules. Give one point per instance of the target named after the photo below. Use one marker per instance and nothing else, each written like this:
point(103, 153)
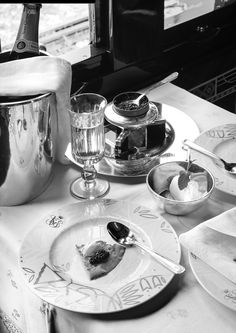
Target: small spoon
point(229, 167)
point(124, 236)
point(167, 79)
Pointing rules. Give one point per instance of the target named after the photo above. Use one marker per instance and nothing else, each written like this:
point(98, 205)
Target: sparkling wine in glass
point(88, 143)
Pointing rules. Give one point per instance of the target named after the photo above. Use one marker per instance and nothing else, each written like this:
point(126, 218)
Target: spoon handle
point(202, 150)
point(165, 80)
point(169, 264)
point(169, 78)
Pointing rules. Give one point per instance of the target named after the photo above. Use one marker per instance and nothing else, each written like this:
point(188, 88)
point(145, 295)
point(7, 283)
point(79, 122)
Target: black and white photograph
point(118, 166)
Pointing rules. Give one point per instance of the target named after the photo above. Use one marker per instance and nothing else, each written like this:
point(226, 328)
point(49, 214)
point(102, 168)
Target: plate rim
point(198, 278)
point(120, 310)
point(204, 133)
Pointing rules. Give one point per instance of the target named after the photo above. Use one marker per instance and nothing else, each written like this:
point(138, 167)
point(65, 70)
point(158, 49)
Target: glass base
point(79, 188)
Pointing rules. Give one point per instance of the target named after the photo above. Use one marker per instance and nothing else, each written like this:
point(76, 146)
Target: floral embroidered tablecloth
point(190, 310)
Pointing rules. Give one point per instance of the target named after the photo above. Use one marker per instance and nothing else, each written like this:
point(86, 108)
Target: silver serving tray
point(179, 127)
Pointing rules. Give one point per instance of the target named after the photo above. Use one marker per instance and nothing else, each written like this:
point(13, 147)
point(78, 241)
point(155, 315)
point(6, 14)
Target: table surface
point(191, 309)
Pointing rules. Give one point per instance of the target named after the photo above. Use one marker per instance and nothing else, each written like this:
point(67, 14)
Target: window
point(62, 27)
point(118, 45)
point(179, 11)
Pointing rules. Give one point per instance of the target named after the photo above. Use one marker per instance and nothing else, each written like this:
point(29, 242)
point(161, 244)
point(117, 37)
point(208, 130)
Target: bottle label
point(27, 36)
point(24, 45)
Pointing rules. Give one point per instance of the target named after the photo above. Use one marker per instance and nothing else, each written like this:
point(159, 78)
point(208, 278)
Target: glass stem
point(89, 175)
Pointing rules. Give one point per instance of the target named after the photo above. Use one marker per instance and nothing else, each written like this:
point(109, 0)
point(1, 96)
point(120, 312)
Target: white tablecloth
point(191, 310)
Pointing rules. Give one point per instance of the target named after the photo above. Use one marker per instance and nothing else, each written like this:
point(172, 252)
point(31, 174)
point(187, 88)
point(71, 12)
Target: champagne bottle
point(26, 44)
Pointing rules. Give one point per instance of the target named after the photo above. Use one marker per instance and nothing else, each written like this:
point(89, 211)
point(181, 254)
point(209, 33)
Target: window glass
point(179, 11)
point(62, 27)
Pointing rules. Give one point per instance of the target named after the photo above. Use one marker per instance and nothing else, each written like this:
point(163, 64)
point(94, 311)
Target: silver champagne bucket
point(28, 129)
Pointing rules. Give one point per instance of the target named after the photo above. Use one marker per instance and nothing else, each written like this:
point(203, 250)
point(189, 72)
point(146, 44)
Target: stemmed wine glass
point(88, 143)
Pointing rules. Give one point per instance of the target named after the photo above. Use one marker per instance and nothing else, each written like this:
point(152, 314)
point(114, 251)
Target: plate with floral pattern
point(215, 284)
point(220, 140)
point(50, 266)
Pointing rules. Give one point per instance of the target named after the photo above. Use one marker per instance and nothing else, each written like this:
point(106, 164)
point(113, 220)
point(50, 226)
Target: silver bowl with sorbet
point(180, 188)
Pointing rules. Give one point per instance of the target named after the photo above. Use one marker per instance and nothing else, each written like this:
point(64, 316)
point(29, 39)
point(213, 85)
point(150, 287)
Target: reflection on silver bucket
point(28, 128)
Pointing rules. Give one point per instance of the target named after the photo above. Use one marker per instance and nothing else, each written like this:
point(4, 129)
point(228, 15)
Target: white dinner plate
point(218, 286)
point(50, 266)
point(220, 140)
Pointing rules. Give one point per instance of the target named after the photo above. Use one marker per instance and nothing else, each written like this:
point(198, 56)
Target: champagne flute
point(88, 143)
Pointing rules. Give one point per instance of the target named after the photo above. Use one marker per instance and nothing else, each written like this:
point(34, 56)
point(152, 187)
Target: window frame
point(97, 64)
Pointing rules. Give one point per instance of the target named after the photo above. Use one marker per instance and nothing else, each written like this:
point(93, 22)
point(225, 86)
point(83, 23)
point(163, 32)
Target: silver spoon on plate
point(124, 236)
point(229, 167)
